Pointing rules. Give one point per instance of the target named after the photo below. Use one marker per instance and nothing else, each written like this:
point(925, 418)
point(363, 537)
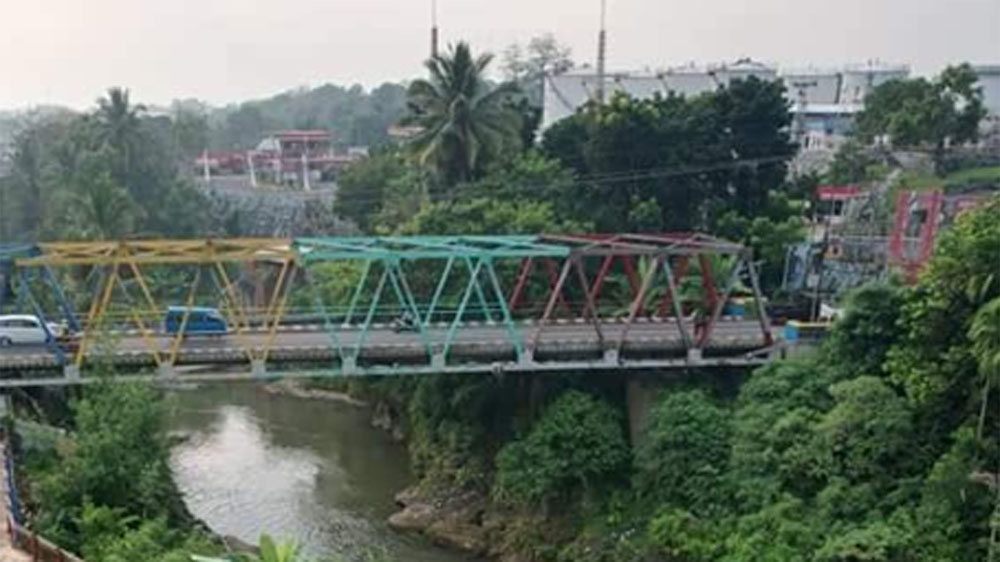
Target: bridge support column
point(694, 355)
point(640, 398)
point(348, 365)
point(527, 357)
point(611, 356)
point(258, 368)
point(437, 361)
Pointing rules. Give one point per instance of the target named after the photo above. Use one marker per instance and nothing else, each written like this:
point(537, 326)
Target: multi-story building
point(989, 81)
point(565, 93)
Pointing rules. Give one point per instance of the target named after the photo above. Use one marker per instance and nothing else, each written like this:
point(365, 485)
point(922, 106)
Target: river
point(310, 470)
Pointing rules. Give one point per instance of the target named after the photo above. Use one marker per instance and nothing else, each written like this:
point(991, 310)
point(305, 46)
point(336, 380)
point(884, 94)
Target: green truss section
point(425, 247)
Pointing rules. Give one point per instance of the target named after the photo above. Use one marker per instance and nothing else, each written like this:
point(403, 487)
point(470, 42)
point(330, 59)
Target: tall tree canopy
point(921, 112)
point(463, 121)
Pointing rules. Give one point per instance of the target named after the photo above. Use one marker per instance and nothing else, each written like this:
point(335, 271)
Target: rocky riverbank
point(295, 388)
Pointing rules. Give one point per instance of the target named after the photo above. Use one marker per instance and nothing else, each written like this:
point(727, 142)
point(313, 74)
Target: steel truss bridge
point(326, 306)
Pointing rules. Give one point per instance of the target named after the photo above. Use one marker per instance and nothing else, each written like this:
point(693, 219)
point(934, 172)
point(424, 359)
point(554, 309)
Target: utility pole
point(601, 51)
point(434, 29)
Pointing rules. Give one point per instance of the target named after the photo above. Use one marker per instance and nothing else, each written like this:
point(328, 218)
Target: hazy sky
point(69, 51)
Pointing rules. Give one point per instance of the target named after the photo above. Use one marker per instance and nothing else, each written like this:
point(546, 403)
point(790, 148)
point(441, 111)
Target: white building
point(565, 93)
point(989, 81)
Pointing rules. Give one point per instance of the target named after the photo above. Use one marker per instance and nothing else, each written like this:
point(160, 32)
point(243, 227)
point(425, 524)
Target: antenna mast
point(601, 47)
point(434, 29)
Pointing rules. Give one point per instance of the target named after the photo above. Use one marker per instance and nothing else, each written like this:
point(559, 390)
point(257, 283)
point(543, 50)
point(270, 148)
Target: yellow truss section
point(137, 252)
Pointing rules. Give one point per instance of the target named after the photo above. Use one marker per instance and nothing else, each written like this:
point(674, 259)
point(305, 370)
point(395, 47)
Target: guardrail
point(35, 546)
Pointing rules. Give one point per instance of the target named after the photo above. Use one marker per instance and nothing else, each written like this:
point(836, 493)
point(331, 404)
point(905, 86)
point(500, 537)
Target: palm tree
point(462, 121)
point(118, 123)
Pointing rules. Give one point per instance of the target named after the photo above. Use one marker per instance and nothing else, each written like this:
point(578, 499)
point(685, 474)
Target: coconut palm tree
point(462, 121)
point(118, 124)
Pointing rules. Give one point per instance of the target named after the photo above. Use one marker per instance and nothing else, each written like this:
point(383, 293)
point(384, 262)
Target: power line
point(594, 180)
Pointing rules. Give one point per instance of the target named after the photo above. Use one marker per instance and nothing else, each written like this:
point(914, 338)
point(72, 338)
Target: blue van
point(201, 321)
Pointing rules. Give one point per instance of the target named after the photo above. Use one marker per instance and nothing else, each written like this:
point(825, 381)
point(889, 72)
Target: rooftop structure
point(567, 92)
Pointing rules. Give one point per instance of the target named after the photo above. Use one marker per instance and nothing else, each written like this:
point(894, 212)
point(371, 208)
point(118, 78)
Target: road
point(475, 341)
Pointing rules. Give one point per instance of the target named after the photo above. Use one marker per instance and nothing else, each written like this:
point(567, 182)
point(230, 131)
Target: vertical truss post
point(550, 265)
point(357, 291)
point(371, 313)
point(479, 293)
point(276, 311)
point(512, 333)
point(50, 340)
point(523, 273)
point(232, 301)
point(590, 311)
point(175, 346)
point(758, 297)
point(595, 289)
point(708, 280)
point(469, 288)
point(676, 302)
point(67, 310)
point(406, 300)
point(137, 314)
point(678, 274)
point(96, 311)
point(21, 296)
point(320, 306)
point(438, 291)
point(734, 275)
point(638, 302)
point(551, 304)
point(630, 274)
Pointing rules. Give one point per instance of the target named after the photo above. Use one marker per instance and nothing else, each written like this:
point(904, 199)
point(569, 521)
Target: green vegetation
point(105, 174)
point(917, 112)
point(355, 116)
point(106, 491)
point(880, 448)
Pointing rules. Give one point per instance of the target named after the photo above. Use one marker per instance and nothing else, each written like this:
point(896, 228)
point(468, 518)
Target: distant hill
point(356, 117)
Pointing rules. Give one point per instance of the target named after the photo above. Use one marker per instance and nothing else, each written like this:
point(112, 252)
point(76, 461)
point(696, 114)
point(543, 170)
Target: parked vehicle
point(201, 321)
point(28, 329)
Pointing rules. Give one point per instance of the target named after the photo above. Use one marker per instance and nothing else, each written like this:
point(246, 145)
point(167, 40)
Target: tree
point(683, 453)
point(676, 163)
point(867, 329)
point(120, 458)
point(362, 188)
point(528, 65)
point(850, 163)
point(920, 112)
point(118, 123)
point(984, 333)
point(858, 445)
point(934, 361)
point(463, 122)
point(577, 445)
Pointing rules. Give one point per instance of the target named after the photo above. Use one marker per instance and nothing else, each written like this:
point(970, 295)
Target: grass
point(925, 181)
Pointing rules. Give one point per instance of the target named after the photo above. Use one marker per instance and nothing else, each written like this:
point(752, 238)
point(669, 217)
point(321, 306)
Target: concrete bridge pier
point(640, 397)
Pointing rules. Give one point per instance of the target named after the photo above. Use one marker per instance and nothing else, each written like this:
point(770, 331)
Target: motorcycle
point(404, 323)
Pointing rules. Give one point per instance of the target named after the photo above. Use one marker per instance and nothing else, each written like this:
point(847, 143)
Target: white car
point(21, 329)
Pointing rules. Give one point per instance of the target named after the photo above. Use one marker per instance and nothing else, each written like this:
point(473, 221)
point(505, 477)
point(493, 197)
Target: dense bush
point(684, 452)
point(577, 445)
